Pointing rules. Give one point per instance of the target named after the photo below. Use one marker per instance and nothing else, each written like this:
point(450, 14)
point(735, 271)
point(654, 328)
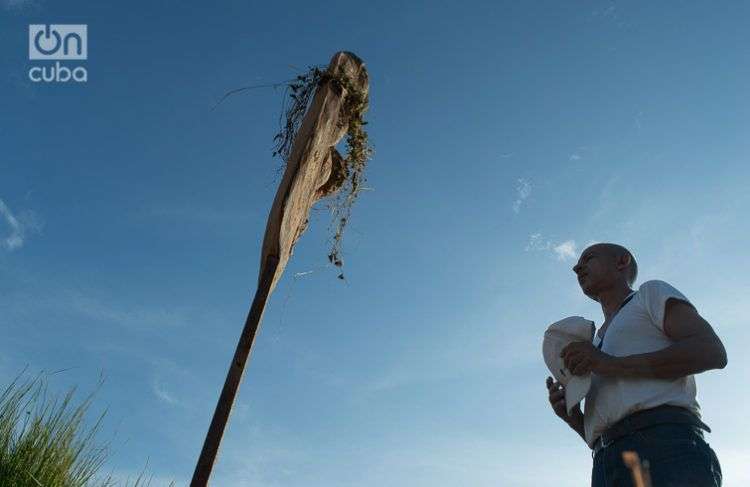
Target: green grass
point(44, 441)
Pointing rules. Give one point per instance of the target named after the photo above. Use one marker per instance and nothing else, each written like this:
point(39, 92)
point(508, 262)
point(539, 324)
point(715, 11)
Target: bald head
point(623, 257)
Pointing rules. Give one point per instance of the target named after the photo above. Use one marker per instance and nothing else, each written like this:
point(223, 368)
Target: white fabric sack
point(557, 336)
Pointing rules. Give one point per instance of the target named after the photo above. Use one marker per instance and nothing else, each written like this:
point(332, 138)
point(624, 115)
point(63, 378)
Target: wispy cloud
point(162, 394)
point(15, 239)
point(611, 14)
point(537, 242)
point(609, 11)
point(607, 198)
point(637, 120)
point(17, 4)
point(174, 384)
point(132, 317)
point(564, 251)
point(581, 152)
point(523, 191)
point(18, 227)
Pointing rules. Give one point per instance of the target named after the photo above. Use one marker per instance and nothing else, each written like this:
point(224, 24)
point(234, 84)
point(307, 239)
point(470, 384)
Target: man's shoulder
point(655, 285)
point(656, 293)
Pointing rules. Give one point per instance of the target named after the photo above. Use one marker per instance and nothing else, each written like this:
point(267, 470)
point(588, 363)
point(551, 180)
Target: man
point(642, 360)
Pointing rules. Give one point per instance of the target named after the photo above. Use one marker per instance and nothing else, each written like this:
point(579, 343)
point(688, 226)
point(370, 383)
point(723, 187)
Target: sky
point(507, 136)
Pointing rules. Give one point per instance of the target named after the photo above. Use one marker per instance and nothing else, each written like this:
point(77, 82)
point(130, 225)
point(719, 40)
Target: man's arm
point(696, 349)
point(557, 401)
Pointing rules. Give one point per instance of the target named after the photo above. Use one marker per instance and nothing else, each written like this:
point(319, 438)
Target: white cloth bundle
point(557, 336)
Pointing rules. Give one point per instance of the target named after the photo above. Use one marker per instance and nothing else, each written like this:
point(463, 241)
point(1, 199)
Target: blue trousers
point(677, 456)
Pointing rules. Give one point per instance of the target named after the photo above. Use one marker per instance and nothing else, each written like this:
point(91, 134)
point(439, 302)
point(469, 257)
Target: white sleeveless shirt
point(637, 328)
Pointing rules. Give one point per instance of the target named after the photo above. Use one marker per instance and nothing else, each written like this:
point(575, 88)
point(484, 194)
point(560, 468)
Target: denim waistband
point(646, 418)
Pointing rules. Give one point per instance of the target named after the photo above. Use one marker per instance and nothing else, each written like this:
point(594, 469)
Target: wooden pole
point(307, 178)
point(234, 377)
point(639, 470)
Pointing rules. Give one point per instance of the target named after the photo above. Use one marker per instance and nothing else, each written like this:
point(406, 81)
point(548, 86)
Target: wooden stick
point(234, 377)
point(641, 477)
point(306, 179)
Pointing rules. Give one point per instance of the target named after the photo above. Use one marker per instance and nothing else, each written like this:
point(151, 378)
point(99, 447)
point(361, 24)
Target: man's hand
point(580, 358)
point(557, 401)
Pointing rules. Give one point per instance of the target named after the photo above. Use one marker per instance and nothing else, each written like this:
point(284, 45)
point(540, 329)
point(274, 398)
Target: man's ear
point(623, 262)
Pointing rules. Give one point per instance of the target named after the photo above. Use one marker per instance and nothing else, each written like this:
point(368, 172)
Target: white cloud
point(132, 316)
point(175, 385)
point(536, 242)
point(523, 190)
point(608, 199)
point(15, 239)
point(637, 120)
point(581, 152)
point(566, 250)
point(160, 392)
point(17, 4)
point(18, 227)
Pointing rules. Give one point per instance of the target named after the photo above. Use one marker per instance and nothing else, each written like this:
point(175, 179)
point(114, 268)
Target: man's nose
point(577, 268)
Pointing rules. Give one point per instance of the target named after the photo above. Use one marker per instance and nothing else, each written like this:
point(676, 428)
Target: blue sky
point(507, 137)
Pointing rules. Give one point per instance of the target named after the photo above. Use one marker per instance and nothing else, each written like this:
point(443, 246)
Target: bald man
point(643, 360)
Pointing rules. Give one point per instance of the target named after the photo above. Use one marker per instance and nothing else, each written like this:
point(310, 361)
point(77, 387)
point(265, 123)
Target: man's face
point(595, 271)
